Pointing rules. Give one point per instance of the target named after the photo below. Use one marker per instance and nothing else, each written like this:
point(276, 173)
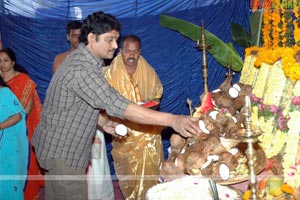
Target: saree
point(137, 156)
point(14, 149)
point(24, 88)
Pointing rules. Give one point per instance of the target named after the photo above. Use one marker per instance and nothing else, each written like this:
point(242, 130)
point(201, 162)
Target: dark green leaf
point(255, 27)
point(240, 35)
point(219, 50)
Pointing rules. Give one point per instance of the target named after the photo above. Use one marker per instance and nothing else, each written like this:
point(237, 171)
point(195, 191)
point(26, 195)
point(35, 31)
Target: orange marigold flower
point(287, 189)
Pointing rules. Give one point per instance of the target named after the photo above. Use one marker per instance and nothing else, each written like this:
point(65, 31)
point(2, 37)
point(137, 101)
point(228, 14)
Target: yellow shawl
point(140, 153)
point(146, 78)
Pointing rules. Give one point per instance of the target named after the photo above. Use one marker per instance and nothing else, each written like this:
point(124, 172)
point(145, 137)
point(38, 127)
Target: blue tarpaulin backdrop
point(35, 30)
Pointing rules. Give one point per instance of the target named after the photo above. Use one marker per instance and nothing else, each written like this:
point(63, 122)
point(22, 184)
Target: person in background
point(13, 145)
point(24, 88)
point(76, 94)
point(73, 33)
point(139, 154)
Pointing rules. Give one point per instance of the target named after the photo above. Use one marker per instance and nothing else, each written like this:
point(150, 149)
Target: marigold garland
point(266, 30)
point(281, 22)
point(275, 16)
point(296, 24)
point(290, 66)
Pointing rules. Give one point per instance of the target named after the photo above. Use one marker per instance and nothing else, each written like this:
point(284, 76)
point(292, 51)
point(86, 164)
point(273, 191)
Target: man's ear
point(91, 37)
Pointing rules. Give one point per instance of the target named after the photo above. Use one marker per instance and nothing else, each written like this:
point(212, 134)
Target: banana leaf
point(240, 36)
point(223, 53)
point(255, 27)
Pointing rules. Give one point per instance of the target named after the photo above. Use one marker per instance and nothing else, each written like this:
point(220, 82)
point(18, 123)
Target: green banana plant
point(244, 39)
point(223, 53)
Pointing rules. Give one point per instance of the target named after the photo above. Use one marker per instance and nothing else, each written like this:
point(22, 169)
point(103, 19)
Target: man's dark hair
point(131, 38)
point(98, 23)
point(73, 25)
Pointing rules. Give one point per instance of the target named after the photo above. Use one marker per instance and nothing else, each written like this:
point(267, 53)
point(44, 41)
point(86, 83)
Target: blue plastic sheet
point(35, 30)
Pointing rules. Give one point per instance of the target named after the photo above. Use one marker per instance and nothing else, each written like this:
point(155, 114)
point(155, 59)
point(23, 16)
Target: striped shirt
point(76, 92)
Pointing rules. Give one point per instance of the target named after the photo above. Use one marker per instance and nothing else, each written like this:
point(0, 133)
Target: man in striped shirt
point(72, 108)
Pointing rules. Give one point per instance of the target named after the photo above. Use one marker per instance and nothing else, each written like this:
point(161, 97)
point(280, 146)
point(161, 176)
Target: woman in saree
point(24, 88)
point(13, 145)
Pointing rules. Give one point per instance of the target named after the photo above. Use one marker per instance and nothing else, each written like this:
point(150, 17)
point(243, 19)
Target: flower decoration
point(267, 26)
point(277, 116)
point(295, 103)
point(296, 24)
point(268, 117)
point(290, 65)
point(270, 112)
point(255, 4)
point(280, 35)
point(285, 135)
point(291, 160)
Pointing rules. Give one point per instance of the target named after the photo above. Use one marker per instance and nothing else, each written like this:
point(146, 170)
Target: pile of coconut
point(214, 153)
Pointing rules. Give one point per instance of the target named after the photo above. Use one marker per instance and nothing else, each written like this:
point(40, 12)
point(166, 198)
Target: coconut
point(229, 159)
point(224, 172)
point(179, 162)
point(233, 92)
point(121, 129)
point(207, 168)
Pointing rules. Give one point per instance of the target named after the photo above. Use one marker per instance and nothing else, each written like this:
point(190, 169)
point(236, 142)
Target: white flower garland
point(275, 86)
point(290, 164)
point(272, 143)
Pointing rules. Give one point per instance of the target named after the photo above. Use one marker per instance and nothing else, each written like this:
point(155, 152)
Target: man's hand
point(109, 127)
point(186, 126)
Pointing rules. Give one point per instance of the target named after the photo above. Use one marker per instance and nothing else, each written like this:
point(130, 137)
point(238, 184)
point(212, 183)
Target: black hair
point(73, 25)
point(2, 82)
point(11, 54)
point(98, 23)
point(132, 38)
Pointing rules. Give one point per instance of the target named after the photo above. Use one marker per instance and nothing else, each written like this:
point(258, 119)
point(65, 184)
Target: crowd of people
point(84, 100)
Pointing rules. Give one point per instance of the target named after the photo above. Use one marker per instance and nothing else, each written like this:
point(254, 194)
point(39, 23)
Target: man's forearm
point(184, 125)
point(143, 115)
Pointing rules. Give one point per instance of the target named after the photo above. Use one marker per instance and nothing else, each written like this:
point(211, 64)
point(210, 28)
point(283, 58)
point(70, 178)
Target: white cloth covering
point(98, 176)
